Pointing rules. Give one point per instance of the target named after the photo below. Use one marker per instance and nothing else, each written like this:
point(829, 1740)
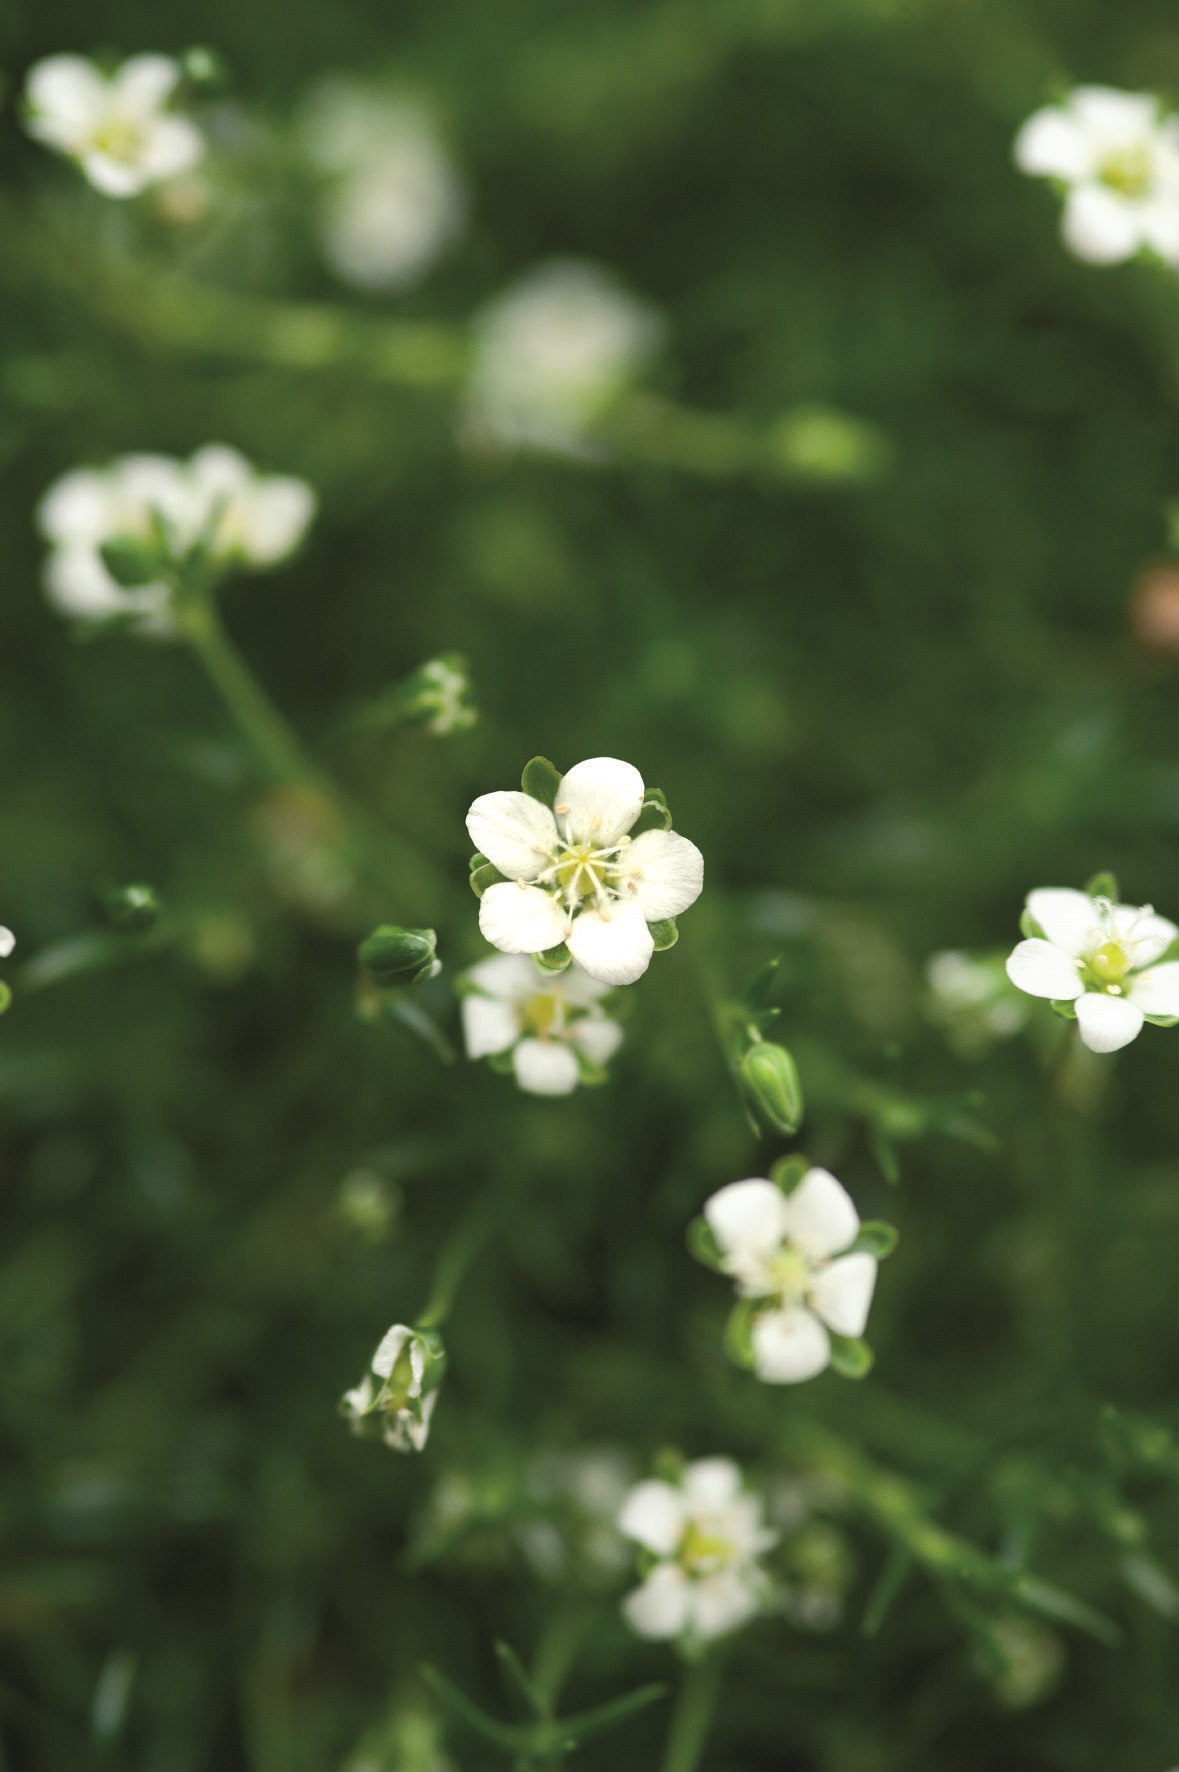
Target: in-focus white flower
point(575, 875)
point(550, 355)
point(544, 1021)
point(971, 997)
point(1118, 157)
point(117, 126)
point(397, 1394)
point(215, 499)
point(393, 201)
point(788, 1250)
point(1100, 957)
point(706, 1534)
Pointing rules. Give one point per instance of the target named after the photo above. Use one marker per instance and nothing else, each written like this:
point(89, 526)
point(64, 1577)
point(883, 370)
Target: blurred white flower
point(115, 126)
point(1118, 157)
point(783, 1248)
point(393, 201)
point(574, 875)
point(438, 694)
point(215, 499)
point(397, 1394)
point(1100, 957)
point(586, 1488)
point(971, 998)
point(7, 942)
point(544, 1022)
point(706, 1534)
point(551, 353)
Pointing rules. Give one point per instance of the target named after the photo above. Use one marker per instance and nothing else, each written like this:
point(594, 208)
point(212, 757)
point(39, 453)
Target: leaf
point(1054, 1602)
point(616, 1710)
point(739, 1333)
point(703, 1245)
point(502, 1734)
point(851, 1359)
point(515, 1670)
point(787, 1172)
point(540, 781)
point(664, 934)
point(409, 1012)
point(885, 1154)
point(757, 994)
point(1104, 885)
point(897, 1567)
point(875, 1238)
point(482, 878)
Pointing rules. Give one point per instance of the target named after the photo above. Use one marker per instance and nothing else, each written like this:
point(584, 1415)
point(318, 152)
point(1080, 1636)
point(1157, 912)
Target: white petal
point(7, 942)
point(1156, 992)
point(789, 1347)
point(711, 1483)
point(1114, 118)
point(510, 977)
point(654, 1515)
point(521, 919)
point(1146, 936)
point(1159, 221)
point(597, 1038)
point(1100, 226)
point(663, 872)
point(114, 178)
point(820, 1217)
point(1107, 1023)
point(77, 510)
point(579, 990)
point(514, 831)
point(67, 95)
point(748, 1218)
point(659, 1609)
point(1052, 144)
point(1044, 970)
point(389, 1351)
point(602, 798)
point(545, 1067)
point(1069, 919)
point(267, 521)
point(144, 83)
point(172, 145)
point(720, 1603)
point(614, 946)
point(489, 1025)
point(842, 1293)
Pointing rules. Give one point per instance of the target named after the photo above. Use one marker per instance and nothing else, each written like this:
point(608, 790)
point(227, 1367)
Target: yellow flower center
point(1127, 172)
point(699, 1551)
point(539, 1013)
point(791, 1274)
point(119, 139)
point(1109, 965)
point(582, 870)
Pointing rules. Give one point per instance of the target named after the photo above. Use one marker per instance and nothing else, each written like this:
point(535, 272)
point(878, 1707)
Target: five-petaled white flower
point(574, 874)
point(707, 1533)
point(1100, 957)
point(545, 1022)
point(216, 499)
point(787, 1249)
point(1119, 158)
point(550, 355)
point(397, 1394)
point(115, 126)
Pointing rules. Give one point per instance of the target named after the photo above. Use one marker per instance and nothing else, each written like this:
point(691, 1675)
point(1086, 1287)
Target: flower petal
point(711, 1483)
point(654, 1515)
point(489, 1025)
point(842, 1293)
point(545, 1067)
point(144, 83)
point(7, 942)
point(172, 145)
point(748, 1218)
point(67, 95)
point(1052, 144)
point(720, 1603)
point(613, 946)
point(514, 831)
point(1100, 226)
point(789, 1347)
point(659, 1609)
point(1156, 992)
point(578, 988)
point(1069, 919)
point(77, 509)
point(512, 978)
point(662, 873)
point(1044, 970)
point(601, 799)
point(1115, 119)
point(1145, 936)
point(820, 1216)
point(521, 919)
point(597, 1038)
point(389, 1351)
point(1107, 1023)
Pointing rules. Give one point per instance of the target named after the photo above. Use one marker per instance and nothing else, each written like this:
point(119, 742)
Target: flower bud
point(396, 956)
point(131, 561)
point(769, 1077)
point(395, 1399)
point(133, 910)
point(438, 695)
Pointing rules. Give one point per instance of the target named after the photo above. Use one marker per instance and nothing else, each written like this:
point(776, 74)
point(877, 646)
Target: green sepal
point(664, 934)
point(875, 1238)
point(557, 959)
point(1028, 927)
point(1103, 885)
point(5, 996)
point(851, 1359)
point(655, 814)
point(739, 1333)
point(501, 1064)
point(133, 909)
point(787, 1172)
point(668, 1465)
point(478, 861)
point(1066, 1010)
point(1163, 1021)
point(482, 878)
point(703, 1245)
point(540, 781)
point(131, 562)
point(589, 1074)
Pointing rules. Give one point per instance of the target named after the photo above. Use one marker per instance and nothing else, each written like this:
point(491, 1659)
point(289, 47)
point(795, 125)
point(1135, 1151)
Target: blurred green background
point(884, 704)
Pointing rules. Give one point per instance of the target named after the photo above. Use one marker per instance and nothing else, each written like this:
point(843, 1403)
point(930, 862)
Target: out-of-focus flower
point(117, 126)
point(393, 201)
point(438, 696)
point(550, 355)
point(706, 1534)
point(165, 509)
point(579, 1539)
point(787, 1249)
point(7, 942)
point(574, 875)
point(397, 1394)
point(1100, 957)
point(1117, 155)
point(971, 997)
point(1154, 608)
point(546, 1022)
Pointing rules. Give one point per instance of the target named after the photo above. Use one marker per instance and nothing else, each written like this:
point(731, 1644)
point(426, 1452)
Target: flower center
point(584, 871)
point(1108, 966)
point(539, 1014)
point(701, 1551)
point(119, 139)
point(1128, 171)
point(790, 1274)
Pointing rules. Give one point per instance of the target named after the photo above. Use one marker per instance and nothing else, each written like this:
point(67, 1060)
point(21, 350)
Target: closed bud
point(769, 1077)
point(395, 1399)
point(396, 956)
point(133, 910)
point(131, 561)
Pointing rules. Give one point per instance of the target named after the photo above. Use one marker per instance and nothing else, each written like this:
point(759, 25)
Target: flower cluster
point(1117, 157)
point(162, 510)
point(116, 126)
point(552, 1026)
point(395, 1399)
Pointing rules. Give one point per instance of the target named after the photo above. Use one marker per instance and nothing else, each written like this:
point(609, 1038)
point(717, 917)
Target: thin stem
point(274, 741)
point(459, 1250)
point(693, 1715)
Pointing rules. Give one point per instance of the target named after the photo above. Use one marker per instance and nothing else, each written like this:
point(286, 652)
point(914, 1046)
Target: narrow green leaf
point(756, 995)
point(502, 1734)
point(664, 934)
point(540, 780)
point(605, 1716)
point(885, 1154)
point(1054, 1602)
point(896, 1570)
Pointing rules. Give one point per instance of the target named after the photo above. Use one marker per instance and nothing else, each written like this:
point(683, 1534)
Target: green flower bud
point(131, 561)
point(133, 910)
point(396, 956)
point(769, 1078)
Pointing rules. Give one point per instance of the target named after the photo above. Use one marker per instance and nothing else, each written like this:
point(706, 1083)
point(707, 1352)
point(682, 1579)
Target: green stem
point(274, 741)
point(459, 1250)
point(693, 1715)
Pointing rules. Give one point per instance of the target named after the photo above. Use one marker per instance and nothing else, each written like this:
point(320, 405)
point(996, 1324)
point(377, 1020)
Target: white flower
point(971, 998)
point(398, 1392)
point(779, 1247)
point(706, 1533)
point(574, 874)
point(551, 353)
point(394, 202)
point(543, 1021)
point(116, 127)
point(1119, 159)
point(7, 942)
point(1100, 957)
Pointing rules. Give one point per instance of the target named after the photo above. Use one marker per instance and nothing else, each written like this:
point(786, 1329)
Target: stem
point(244, 696)
point(459, 1250)
point(693, 1715)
